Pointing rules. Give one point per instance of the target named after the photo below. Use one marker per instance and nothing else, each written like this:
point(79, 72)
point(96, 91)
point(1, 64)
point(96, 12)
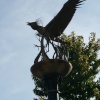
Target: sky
point(17, 51)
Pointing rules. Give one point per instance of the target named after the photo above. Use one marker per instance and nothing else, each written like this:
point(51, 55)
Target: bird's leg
point(37, 58)
point(48, 44)
point(48, 41)
point(42, 51)
point(55, 50)
point(44, 55)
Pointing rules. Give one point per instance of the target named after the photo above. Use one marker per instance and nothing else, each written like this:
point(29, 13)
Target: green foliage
point(41, 98)
point(79, 84)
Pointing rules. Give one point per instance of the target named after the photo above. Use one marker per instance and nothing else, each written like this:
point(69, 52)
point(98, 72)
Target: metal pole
point(51, 82)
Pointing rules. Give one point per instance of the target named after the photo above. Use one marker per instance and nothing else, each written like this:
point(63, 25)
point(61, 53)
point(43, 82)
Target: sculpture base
point(51, 66)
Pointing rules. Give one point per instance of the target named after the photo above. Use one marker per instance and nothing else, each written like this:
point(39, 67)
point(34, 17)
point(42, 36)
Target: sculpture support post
point(50, 72)
point(51, 82)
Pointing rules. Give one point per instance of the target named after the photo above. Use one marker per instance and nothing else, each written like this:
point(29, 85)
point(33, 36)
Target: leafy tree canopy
point(80, 84)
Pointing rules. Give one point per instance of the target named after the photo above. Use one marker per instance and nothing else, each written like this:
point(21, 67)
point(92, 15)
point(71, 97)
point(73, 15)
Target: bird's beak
point(28, 23)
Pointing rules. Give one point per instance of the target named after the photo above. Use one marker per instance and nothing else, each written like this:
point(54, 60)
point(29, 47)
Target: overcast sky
point(17, 51)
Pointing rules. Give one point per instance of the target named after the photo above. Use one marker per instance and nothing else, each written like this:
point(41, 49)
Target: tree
point(40, 98)
point(80, 84)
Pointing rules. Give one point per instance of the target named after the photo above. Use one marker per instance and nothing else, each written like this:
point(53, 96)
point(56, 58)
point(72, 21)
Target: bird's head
point(34, 25)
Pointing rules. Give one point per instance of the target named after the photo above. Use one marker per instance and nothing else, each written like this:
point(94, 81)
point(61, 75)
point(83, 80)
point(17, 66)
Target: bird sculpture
point(58, 24)
point(55, 28)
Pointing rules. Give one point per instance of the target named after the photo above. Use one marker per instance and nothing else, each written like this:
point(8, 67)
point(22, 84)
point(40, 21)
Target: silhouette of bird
point(58, 24)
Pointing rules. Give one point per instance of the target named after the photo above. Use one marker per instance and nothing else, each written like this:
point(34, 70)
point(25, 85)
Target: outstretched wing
point(58, 24)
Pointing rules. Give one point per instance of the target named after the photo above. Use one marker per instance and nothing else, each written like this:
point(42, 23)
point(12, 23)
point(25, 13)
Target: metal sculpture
point(42, 52)
point(52, 69)
point(54, 29)
point(58, 24)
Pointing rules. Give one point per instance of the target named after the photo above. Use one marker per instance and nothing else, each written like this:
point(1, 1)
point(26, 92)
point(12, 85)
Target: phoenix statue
point(58, 24)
